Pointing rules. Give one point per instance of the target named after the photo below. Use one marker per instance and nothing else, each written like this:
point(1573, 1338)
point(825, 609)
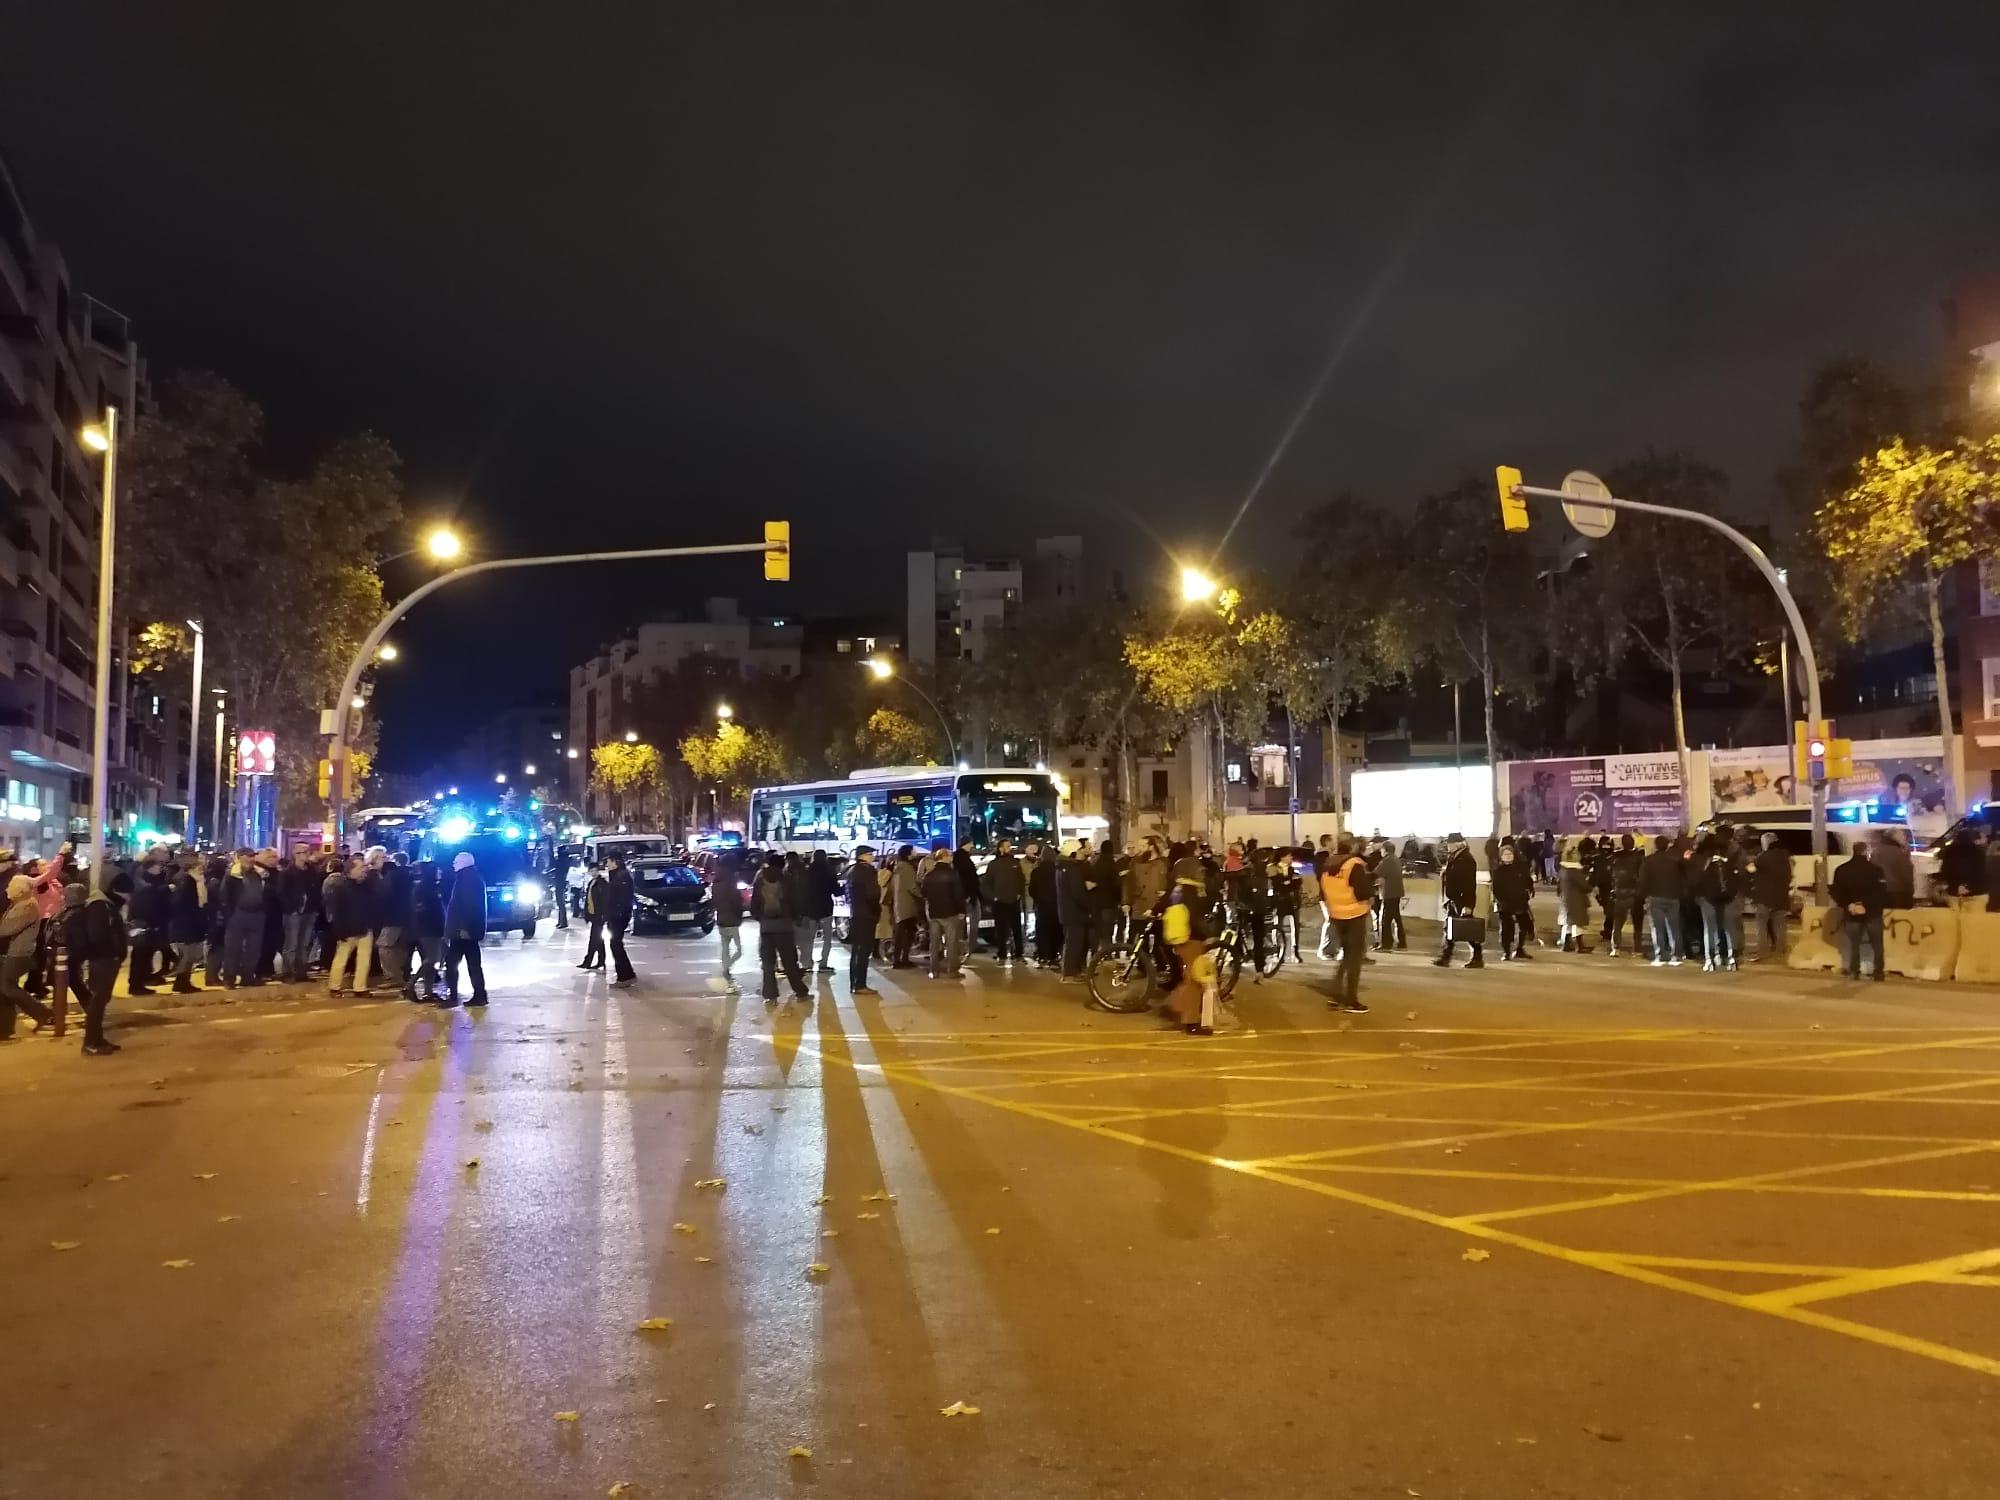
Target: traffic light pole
point(1807, 660)
point(337, 751)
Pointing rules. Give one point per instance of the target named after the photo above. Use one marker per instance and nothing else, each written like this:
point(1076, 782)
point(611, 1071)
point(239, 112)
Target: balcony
point(20, 612)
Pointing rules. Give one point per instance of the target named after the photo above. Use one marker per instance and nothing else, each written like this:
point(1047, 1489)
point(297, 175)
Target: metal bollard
point(59, 990)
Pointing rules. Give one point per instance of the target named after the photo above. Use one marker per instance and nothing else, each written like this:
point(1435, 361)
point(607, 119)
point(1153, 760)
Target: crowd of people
point(370, 923)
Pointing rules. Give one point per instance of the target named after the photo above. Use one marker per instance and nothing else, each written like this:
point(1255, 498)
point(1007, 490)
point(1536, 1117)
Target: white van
point(1794, 829)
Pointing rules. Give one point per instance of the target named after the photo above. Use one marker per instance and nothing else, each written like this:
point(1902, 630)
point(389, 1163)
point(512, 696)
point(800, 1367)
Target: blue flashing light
point(510, 833)
point(454, 830)
point(491, 811)
point(534, 806)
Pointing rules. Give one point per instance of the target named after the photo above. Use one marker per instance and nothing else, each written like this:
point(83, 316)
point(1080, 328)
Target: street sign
point(1581, 487)
point(256, 753)
point(1513, 509)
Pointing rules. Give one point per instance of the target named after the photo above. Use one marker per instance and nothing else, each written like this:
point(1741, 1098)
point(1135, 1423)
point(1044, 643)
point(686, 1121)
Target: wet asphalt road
point(1566, 1229)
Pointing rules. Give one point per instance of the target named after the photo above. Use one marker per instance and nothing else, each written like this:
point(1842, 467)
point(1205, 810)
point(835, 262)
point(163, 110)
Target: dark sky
point(628, 275)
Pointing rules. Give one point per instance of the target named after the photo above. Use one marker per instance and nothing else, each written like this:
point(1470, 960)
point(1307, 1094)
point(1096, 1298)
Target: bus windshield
point(992, 808)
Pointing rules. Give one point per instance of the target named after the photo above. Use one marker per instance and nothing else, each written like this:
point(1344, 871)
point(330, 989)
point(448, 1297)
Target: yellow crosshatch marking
point(1597, 1089)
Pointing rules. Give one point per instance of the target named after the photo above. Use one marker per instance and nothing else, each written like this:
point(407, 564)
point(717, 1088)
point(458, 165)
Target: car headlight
point(528, 891)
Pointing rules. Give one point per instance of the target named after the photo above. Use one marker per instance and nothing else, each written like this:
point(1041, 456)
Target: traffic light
point(1817, 757)
point(778, 551)
point(1513, 508)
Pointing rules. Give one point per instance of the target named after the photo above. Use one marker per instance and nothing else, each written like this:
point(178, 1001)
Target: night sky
point(631, 275)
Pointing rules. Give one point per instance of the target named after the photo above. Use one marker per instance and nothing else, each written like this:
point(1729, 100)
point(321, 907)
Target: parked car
point(670, 895)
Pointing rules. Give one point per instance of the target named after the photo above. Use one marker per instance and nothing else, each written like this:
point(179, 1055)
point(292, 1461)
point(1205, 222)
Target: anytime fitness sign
point(1597, 794)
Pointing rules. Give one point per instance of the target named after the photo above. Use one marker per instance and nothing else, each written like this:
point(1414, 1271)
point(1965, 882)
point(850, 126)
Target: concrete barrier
point(1921, 942)
point(1814, 944)
point(1978, 943)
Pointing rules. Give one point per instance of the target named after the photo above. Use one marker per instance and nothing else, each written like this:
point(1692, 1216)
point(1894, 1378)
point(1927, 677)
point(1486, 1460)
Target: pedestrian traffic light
point(778, 551)
point(1513, 508)
point(1816, 760)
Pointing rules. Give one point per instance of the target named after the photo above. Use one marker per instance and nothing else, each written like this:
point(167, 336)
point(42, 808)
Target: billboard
point(1753, 779)
point(1597, 794)
point(1904, 778)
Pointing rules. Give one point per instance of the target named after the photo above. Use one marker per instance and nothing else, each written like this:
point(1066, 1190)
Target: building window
point(1159, 778)
point(1234, 771)
point(844, 646)
point(1990, 673)
point(1989, 586)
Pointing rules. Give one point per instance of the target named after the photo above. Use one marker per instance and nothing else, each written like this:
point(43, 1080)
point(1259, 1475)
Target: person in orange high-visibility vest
point(1345, 888)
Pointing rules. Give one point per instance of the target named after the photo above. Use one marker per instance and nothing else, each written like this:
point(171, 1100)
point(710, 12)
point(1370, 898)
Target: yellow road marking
point(1855, 1282)
point(1630, 1270)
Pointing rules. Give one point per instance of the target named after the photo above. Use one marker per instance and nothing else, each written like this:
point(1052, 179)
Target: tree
point(1201, 669)
point(896, 739)
point(622, 766)
point(1913, 513)
point(1353, 633)
point(1671, 588)
point(734, 758)
point(280, 571)
point(1474, 618)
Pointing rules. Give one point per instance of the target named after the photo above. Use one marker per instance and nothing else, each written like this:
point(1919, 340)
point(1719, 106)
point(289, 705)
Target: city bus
point(916, 805)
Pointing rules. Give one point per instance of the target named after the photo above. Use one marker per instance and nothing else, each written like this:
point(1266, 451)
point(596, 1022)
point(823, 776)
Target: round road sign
point(1582, 486)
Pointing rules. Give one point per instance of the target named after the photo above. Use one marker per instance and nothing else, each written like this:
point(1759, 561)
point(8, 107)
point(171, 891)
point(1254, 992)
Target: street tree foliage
point(628, 770)
point(895, 739)
point(735, 758)
point(1913, 512)
point(1472, 589)
point(1355, 626)
point(1671, 590)
point(280, 570)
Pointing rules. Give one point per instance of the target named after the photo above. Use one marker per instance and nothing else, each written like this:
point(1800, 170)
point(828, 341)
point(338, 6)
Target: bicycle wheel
point(1274, 951)
point(1228, 968)
point(1121, 980)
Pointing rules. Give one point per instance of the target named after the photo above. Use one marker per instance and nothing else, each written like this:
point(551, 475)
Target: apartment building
point(64, 358)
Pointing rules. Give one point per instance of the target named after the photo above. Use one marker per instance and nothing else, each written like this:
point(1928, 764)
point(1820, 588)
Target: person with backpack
point(1346, 889)
point(94, 933)
point(777, 936)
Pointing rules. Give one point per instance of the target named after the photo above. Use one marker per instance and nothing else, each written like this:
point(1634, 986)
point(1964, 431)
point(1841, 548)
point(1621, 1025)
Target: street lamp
point(631, 736)
point(884, 669)
point(572, 752)
point(1197, 586)
point(529, 769)
point(215, 808)
point(500, 778)
point(443, 544)
point(387, 652)
point(194, 734)
point(724, 712)
point(103, 438)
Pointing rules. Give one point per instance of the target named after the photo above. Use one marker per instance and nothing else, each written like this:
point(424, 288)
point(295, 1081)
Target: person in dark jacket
point(1771, 895)
point(187, 922)
point(777, 937)
point(618, 917)
point(1008, 886)
point(559, 883)
point(151, 901)
point(1860, 892)
point(1962, 864)
point(394, 895)
point(349, 920)
point(1601, 882)
point(1513, 903)
point(1716, 881)
point(726, 891)
point(94, 934)
point(864, 910)
point(1389, 931)
point(243, 935)
point(220, 889)
point(1892, 857)
point(596, 901)
point(822, 889)
point(944, 913)
point(1662, 883)
point(272, 939)
point(1460, 882)
point(464, 929)
point(295, 884)
point(967, 870)
point(1045, 897)
point(1073, 910)
point(1626, 903)
point(426, 932)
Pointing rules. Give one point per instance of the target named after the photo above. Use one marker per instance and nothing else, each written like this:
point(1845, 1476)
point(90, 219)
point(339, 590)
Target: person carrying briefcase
point(1460, 879)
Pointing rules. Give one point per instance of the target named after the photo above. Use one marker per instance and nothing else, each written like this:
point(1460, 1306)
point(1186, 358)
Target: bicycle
point(1124, 977)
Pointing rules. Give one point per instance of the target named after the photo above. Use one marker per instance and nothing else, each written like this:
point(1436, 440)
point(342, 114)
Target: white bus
point(916, 805)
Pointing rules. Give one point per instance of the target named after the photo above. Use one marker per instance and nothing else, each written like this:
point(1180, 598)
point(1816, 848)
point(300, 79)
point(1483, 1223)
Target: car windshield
point(498, 858)
point(676, 874)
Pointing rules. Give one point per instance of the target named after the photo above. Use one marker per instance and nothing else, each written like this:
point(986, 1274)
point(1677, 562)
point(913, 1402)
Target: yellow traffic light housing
point(778, 551)
point(1513, 508)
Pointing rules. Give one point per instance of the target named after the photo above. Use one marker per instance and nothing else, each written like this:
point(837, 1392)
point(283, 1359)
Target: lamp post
point(215, 809)
point(194, 736)
point(884, 669)
point(444, 546)
point(103, 438)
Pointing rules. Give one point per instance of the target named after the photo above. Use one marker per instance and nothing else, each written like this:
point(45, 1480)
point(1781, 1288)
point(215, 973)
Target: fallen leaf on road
point(880, 1196)
point(621, 1489)
point(1409, 1015)
point(710, 1406)
point(753, 1129)
point(655, 1325)
point(1526, 1442)
point(227, 1218)
point(709, 1182)
point(1815, 1027)
point(681, 1228)
point(822, 1200)
point(65, 1244)
point(1406, 1046)
point(472, 1165)
point(204, 1177)
point(992, 1231)
point(703, 1260)
point(829, 1234)
point(867, 1216)
point(818, 1268)
point(1475, 1255)
point(576, 1085)
point(569, 1416)
point(392, 1122)
point(958, 1409)
point(118, 1176)
point(799, 1450)
point(778, 1109)
point(483, 1126)
point(176, 1265)
point(1454, 1151)
point(1604, 1434)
